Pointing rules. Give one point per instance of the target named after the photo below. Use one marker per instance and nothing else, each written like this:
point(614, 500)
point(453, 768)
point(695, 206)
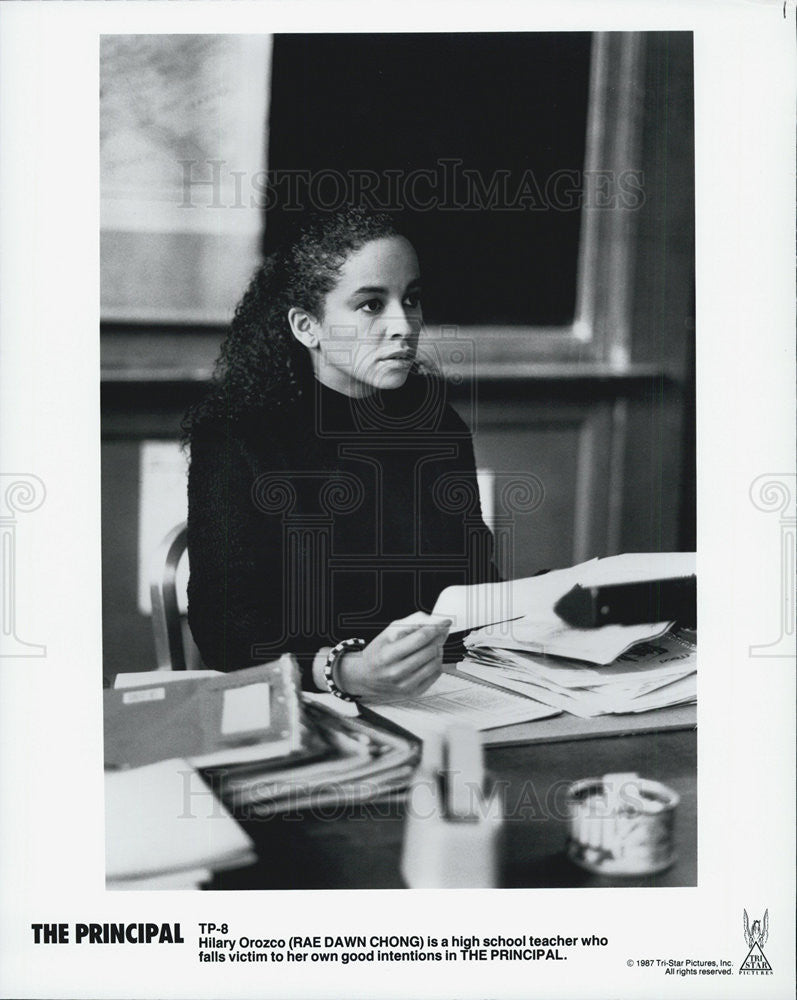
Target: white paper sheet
point(457, 699)
point(163, 818)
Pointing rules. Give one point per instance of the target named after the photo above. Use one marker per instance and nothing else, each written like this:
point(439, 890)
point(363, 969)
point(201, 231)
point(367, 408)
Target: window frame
point(599, 338)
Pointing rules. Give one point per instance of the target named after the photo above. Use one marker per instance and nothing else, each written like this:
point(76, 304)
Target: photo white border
point(51, 823)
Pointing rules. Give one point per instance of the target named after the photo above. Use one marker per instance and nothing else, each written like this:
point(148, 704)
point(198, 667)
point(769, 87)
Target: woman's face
point(368, 336)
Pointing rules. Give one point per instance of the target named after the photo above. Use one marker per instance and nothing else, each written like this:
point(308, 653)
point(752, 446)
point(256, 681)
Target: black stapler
point(631, 603)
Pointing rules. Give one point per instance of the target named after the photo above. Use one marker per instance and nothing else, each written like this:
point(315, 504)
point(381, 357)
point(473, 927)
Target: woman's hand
point(404, 660)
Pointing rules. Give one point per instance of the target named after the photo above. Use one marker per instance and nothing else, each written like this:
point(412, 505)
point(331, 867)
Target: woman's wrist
point(342, 689)
point(345, 672)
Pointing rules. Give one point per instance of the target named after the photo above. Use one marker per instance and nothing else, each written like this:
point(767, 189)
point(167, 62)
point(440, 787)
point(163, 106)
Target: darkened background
point(511, 107)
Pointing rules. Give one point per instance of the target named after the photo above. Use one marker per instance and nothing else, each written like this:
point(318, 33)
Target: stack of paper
point(523, 646)
point(598, 645)
point(290, 755)
point(165, 829)
point(364, 762)
point(652, 674)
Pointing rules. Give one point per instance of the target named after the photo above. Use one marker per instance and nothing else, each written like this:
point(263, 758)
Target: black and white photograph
point(451, 367)
point(424, 381)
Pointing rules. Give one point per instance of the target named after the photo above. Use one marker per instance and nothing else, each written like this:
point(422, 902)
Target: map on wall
point(183, 136)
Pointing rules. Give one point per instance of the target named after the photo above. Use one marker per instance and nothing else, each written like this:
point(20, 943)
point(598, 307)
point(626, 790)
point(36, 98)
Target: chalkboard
point(477, 140)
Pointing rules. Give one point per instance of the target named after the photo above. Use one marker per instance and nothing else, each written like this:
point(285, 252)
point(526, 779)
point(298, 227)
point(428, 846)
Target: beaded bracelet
point(334, 654)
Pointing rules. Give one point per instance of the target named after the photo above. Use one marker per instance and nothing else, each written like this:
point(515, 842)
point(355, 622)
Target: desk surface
point(359, 847)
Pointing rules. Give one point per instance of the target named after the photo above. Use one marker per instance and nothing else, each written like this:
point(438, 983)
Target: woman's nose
point(399, 323)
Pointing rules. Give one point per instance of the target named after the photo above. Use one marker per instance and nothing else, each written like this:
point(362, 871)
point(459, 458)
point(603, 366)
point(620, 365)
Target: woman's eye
point(413, 300)
point(371, 306)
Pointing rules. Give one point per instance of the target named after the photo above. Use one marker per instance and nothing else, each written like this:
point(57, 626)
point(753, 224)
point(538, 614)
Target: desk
point(359, 847)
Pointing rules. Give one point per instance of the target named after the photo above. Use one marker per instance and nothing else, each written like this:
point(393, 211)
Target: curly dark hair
point(261, 364)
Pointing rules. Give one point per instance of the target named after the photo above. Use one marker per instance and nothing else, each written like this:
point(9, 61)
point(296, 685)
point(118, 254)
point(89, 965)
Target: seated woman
point(332, 489)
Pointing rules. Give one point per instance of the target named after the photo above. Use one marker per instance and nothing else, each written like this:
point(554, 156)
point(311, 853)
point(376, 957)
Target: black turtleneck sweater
point(328, 520)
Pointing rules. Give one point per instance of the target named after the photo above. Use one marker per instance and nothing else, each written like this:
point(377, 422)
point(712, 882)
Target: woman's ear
point(304, 327)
